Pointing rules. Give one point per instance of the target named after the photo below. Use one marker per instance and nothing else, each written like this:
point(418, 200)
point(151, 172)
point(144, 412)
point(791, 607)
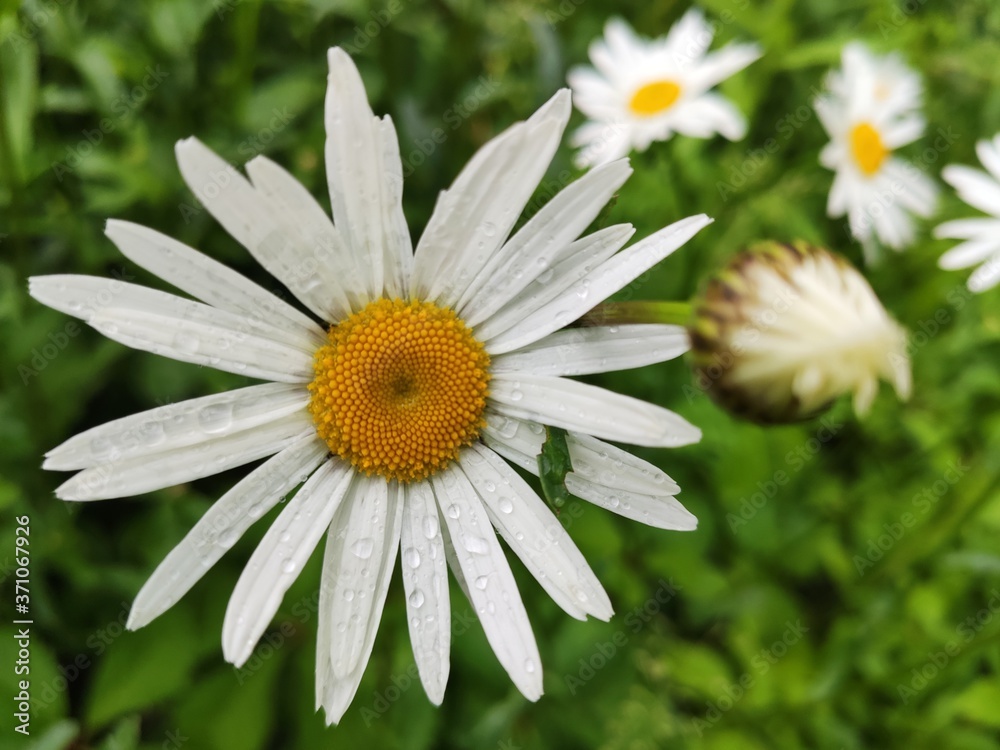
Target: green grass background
point(790, 571)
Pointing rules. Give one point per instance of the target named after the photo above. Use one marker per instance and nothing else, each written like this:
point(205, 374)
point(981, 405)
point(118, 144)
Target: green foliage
point(837, 592)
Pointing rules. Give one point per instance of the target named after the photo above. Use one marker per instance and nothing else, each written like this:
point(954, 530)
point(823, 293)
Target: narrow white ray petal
point(967, 229)
point(425, 581)
point(597, 286)
point(580, 258)
point(192, 422)
point(586, 408)
point(223, 525)
point(593, 460)
point(320, 268)
point(974, 187)
point(988, 152)
point(279, 558)
point(535, 534)
point(252, 219)
point(540, 242)
point(361, 554)
point(721, 64)
point(969, 253)
point(584, 351)
point(173, 466)
point(901, 132)
point(658, 511)
point(709, 114)
point(204, 278)
point(179, 328)
point(399, 247)
point(602, 475)
point(986, 276)
point(365, 177)
point(473, 218)
point(488, 582)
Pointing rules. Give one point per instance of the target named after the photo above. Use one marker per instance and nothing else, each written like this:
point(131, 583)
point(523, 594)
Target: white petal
point(689, 38)
point(204, 278)
point(535, 534)
point(360, 556)
point(473, 218)
point(588, 350)
point(586, 408)
point(601, 477)
point(541, 242)
point(279, 558)
point(365, 178)
point(320, 267)
point(986, 276)
point(178, 328)
point(969, 253)
point(193, 422)
point(597, 285)
point(989, 154)
point(425, 581)
point(222, 525)
point(253, 219)
point(709, 114)
point(721, 64)
point(967, 229)
point(479, 563)
point(580, 258)
point(974, 187)
point(173, 466)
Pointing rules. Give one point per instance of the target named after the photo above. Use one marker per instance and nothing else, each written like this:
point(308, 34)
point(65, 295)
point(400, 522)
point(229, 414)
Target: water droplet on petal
point(482, 582)
point(475, 544)
point(411, 557)
point(288, 565)
point(506, 506)
point(363, 548)
point(416, 599)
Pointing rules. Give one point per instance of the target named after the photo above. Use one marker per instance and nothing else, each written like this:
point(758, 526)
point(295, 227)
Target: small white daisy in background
point(784, 329)
point(870, 111)
point(980, 190)
point(395, 411)
point(645, 90)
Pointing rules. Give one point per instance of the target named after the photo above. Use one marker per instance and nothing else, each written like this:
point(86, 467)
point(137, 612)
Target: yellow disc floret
point(867, 148)
point(654, 98)
point(400, 388)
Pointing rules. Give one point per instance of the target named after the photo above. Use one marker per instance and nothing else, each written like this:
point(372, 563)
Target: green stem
point(622, 313)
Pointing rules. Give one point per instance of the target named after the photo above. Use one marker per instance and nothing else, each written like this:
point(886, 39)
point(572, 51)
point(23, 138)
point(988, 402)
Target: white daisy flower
point(981, 190)
point(646, 90)
point(870, 111)
point(394, 413)
point(784, 329)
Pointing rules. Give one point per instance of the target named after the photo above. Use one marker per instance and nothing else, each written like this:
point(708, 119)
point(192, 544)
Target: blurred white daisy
point(784, 329)
point(646, 90)
point(394, 413)
point(869, 112)
point(981, 190)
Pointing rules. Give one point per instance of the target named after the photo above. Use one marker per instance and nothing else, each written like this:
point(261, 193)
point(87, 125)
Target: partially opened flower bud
point(783, 329)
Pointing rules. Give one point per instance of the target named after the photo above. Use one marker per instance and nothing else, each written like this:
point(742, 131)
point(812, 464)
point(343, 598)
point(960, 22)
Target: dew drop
point(348, 595)
point(288, 565)
point(454, 511)
point(227, 538)
point(363, 548)
point(411, 557)
point(529, 665)
point(416, 599)
point(506, 506)
point(431, 526)
point(476, 544)
point(215, 418)
point(482, 582)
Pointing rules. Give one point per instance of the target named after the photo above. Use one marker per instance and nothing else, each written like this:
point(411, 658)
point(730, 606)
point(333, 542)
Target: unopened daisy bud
point(783, 329)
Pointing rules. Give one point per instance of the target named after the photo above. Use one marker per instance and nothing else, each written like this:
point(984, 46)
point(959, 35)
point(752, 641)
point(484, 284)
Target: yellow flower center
point(654, 98)
point(399, 388)
point(867, 148)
